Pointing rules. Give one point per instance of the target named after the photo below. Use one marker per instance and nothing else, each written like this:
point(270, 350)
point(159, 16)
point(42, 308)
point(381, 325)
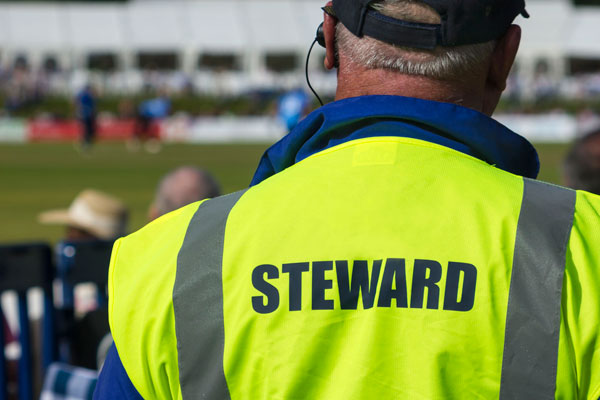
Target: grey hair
point(443, 63)
point(184, 186)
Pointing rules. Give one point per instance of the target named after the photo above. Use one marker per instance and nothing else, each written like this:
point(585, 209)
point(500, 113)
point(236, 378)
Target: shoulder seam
point(596, 393)
point(111, 294)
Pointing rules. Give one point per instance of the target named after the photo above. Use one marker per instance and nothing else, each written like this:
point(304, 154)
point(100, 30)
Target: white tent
point(272, 25)
point(98, 28)
point(545, 32)
point(156, 26)
point(584, 37)
point(38, 27)
point(248, 29)
point(216, 26)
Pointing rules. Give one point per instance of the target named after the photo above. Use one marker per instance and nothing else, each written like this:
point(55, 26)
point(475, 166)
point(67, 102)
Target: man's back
point(393, 245)
point(382, 267)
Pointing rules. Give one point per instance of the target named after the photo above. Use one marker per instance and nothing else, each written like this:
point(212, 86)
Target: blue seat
point(67, 382)
point(81, 262)
point(23, 267)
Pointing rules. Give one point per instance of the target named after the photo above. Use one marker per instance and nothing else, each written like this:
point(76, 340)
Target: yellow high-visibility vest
point(382, 268)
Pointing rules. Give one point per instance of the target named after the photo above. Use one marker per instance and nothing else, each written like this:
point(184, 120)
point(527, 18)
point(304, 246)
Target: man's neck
point(357, 81)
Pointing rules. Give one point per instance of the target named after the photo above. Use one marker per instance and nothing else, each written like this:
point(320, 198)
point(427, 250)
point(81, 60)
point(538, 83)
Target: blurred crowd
point(81, 324)
point(543, 86)
point(22, 85)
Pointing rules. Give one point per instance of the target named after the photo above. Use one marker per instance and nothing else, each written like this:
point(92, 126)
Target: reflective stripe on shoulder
point(198, 302)
point(533, 317)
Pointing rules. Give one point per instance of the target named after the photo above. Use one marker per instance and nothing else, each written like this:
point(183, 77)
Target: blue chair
point(23, 267)
point(81, 262)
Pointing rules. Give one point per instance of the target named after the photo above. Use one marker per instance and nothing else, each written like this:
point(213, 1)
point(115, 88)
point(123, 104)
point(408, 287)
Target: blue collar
point(449, 125)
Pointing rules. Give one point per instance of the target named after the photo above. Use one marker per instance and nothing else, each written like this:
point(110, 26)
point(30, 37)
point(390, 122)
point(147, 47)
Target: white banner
point(222, 129)
point(13, 130)
point(542, 128)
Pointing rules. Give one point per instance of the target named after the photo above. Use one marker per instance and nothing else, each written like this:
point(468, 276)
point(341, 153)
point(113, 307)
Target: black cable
point(306, 71)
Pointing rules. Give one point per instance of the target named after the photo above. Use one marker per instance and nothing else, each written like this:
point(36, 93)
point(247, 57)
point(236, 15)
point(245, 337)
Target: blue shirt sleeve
point(113, 383)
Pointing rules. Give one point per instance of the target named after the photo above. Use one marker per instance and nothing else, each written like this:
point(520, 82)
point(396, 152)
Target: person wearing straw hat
point(92, 215)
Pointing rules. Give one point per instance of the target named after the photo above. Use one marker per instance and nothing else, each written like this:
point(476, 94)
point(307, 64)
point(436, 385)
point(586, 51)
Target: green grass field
point(38, 177)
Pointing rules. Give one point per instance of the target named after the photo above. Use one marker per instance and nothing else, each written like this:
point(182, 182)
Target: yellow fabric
point(371, 199)
point(579, 355)
point(141, 316)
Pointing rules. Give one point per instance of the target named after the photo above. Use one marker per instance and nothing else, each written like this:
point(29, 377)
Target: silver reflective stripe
point(198, 302)
point(533, 317)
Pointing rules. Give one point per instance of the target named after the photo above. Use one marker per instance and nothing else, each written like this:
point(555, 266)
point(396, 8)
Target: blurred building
point(559, 41)
point(258, 43)
point(231, 46)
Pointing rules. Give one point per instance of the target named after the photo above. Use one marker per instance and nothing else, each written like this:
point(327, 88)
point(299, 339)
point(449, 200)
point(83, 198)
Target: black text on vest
point(385, 286)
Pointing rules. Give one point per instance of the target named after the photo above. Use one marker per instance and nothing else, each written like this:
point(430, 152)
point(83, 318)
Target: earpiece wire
point(306, 72)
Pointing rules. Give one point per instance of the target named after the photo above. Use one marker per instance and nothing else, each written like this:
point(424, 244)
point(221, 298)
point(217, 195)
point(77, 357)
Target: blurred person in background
point(93, 215)
point(544, 85)
point(180, 187)
point(292, 107)
point(582, 164)
point(396, 244)
point(85, 102)
point(20, 85)
point(148, 113)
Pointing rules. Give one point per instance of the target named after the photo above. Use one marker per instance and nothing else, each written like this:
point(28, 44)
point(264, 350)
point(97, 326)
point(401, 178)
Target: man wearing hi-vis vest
point(395, 245)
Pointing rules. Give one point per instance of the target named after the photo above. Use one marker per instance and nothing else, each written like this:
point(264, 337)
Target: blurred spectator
point(150, 111)
point(514, 85)
point(86, 112)
point(582, 165)
point(544, 87)
point(181, 187)
point(19, 86)
point(92, 215)
point(292, 107)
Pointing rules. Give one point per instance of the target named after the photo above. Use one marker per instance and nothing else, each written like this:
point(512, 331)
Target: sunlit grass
point(38, 177)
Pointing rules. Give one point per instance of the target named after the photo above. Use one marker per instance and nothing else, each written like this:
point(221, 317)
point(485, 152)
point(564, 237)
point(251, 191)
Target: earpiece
point(320, 36)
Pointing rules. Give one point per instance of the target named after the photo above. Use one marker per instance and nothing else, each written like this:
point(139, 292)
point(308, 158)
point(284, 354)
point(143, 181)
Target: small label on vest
point(376, 284)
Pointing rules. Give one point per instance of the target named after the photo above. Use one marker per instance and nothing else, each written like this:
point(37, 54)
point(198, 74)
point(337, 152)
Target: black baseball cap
point(462, 22)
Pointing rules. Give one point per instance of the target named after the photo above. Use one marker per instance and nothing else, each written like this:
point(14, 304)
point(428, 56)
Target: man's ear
point(501, 63)
point(329, 23)
point(503, 57)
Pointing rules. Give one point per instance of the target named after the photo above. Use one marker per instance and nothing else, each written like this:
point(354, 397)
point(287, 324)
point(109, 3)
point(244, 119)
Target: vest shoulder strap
point(533, 317)
point(198, 302)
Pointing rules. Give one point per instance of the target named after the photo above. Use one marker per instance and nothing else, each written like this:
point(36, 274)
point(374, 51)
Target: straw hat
point(98, 213)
